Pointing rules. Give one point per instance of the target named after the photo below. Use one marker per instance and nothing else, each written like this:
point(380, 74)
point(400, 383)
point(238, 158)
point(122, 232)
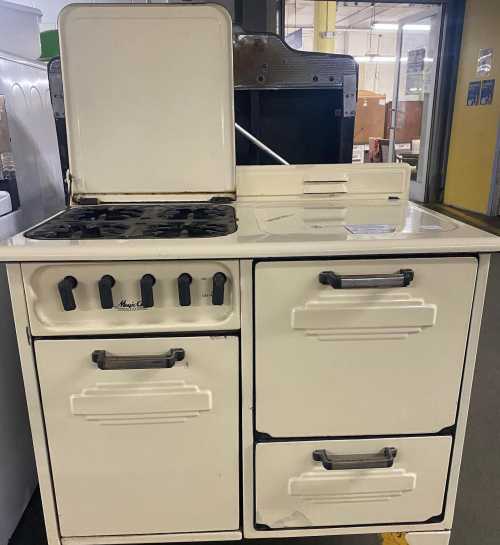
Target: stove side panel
point(35, 411)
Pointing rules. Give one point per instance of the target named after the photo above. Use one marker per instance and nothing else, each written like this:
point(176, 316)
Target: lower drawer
point(350, 482)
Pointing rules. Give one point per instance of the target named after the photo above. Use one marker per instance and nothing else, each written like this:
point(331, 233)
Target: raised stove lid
point(149, 98)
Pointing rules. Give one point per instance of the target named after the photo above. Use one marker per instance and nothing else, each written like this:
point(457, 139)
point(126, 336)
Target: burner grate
point(181, 220)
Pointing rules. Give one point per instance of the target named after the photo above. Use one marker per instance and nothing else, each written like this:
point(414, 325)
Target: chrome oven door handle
point(400, 279)
point(106, 361)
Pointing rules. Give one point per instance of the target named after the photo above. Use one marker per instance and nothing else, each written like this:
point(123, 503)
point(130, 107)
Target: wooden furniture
point(370, 117)
point(409, 120)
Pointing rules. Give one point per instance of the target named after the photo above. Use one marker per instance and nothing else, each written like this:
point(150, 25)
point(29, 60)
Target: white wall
point(51, 8)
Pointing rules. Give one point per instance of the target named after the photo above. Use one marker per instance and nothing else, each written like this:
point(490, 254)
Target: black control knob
point(218, 284)
point(106, 284)
point(66, 287)
point(184, 286)
point(147, 283)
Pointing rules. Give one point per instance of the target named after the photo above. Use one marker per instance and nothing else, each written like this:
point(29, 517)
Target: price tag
point(370, 228)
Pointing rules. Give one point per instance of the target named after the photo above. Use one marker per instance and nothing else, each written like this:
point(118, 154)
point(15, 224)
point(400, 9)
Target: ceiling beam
point(364, 14)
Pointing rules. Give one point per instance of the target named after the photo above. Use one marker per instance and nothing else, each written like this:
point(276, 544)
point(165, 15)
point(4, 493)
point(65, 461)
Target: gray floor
point(477, 517)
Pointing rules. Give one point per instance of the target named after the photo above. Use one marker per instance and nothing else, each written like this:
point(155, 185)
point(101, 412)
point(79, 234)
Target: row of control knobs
point(146, 283)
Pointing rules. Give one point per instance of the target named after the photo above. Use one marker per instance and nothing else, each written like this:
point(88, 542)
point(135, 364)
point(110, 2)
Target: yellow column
point(325, 16)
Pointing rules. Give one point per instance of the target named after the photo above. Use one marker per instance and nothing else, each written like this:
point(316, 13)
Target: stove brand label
point(129, 305)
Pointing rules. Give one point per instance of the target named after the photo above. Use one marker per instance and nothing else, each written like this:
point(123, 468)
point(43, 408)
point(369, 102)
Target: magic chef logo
point(129, 305)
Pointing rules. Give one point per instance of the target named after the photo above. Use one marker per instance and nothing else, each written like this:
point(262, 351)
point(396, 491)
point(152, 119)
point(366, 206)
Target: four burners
point(179, 220)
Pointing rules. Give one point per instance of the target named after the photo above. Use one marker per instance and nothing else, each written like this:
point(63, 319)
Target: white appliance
point(25, 89)
point(20, 30)
point(5, 203)
point(212, 353)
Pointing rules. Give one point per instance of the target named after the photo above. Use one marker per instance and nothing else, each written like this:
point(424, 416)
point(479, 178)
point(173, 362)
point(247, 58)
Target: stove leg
point(416, 538)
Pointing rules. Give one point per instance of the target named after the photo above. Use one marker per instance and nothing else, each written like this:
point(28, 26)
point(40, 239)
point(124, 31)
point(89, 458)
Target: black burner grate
point(181, 220)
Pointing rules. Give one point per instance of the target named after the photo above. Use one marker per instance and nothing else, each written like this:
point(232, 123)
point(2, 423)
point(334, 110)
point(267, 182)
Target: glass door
point(417, 47)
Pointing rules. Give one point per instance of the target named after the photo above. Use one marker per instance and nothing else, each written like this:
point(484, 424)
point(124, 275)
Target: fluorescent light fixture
point(395, 26)
point(379, 59)
point(385, 26)
point(375, 59)
point(426, 59)
point(422, 28)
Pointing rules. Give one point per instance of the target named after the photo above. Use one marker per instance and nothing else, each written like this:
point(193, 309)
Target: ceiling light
point(426, 59)
point(422, 28)
point(382, 59)
point(385, 26)
point(375, 59)
point(395, 26)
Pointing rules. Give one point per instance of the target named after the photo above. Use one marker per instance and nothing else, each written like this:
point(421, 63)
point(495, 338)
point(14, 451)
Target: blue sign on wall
point(487, 91)
point(473, 93)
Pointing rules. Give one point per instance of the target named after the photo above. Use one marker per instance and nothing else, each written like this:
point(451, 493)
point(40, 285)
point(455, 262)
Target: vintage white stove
point(211, 353)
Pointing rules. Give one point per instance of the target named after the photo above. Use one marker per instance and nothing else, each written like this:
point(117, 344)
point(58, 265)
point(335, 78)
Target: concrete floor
point(477, 516)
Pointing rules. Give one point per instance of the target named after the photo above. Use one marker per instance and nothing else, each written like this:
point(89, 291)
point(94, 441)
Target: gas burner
point(76, 231)
point(199, 212)
point(183, 220)
point(112, 213)
point(185, 230)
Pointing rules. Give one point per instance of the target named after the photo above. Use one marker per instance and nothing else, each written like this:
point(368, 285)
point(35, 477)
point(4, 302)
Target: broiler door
point(366, 347)
point(142, 433)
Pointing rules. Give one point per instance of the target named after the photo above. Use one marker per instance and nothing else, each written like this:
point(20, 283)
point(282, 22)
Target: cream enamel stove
point(211, 354)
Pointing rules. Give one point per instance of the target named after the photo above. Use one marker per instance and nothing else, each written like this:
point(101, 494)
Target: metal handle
point(399, 279)
point(384, 458)
point(107, 361)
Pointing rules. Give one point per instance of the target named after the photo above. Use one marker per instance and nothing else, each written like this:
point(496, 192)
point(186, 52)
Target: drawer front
point(142, 451)
point(128, 314)
point(360, 361)
point(405, 483)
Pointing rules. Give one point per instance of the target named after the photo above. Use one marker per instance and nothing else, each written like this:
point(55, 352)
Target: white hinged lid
point(149, 98)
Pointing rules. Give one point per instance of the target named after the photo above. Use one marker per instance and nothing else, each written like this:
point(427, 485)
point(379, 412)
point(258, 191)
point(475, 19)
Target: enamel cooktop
point(138, 221)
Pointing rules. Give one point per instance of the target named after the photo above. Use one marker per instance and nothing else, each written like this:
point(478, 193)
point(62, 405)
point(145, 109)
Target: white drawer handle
point(384, 458)
point(399, 279)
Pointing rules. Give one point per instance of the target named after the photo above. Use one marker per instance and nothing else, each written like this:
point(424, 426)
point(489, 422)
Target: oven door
point(142, 433)
point(360, 347)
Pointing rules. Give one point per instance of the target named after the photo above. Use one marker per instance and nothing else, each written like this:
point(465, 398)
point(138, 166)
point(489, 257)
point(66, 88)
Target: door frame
point(494, 198)
point(418, 187)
